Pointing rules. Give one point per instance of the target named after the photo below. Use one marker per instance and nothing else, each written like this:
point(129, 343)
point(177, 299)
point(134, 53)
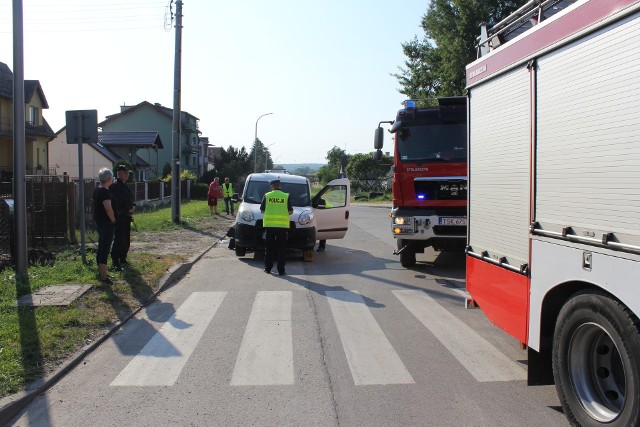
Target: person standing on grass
point(213, 195)
point(105, 222)
point(276, 207)
point(227, 192)
point(123, 206)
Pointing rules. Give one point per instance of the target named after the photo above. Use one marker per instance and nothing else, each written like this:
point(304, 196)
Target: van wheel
point(595, 346)
point(307, 255)
point(240, 251)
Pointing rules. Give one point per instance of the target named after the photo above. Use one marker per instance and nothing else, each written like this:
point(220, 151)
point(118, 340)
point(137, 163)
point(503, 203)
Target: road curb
point(11, 406)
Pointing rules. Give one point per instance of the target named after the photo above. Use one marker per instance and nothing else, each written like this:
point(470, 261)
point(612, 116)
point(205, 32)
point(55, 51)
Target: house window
point(32, 115)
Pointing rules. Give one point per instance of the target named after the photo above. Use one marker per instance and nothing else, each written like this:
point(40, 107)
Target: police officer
point(123, 207)
point(227, 193)
point(276, 207)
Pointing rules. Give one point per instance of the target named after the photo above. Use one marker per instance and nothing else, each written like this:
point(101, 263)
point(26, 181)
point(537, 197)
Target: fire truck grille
point(440, 189)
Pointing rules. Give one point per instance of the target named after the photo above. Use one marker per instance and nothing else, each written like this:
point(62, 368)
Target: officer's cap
point(122, 168)
point(275, 181)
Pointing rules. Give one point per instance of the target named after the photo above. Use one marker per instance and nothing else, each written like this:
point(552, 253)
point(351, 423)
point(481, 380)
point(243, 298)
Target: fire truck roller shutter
point(500, 178)
point(588, 125)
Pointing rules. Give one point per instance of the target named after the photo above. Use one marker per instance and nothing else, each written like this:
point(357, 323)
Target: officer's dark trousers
point(275, 245)
point(121, 240)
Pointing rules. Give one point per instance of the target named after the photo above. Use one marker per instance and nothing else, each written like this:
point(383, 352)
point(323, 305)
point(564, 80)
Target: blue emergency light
point(421, 196)
point(409, 104)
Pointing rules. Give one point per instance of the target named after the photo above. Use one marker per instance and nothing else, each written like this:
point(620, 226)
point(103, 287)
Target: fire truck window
point(438, 142)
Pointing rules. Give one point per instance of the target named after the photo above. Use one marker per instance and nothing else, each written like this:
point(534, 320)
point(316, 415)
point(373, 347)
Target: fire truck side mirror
point(378, 139)
point(377, 155)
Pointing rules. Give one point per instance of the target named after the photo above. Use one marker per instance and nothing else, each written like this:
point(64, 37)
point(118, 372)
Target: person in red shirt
point(213, 195)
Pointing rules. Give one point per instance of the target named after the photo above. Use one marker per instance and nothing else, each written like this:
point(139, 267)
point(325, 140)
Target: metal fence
point(53, 203)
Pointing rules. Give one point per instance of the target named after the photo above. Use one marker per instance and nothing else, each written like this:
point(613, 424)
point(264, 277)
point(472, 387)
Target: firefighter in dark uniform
point(123, 202)
point(276, 207)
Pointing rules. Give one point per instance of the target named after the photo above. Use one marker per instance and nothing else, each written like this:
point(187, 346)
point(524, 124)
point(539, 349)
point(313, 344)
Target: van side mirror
point(377, 155)
point(378, 139)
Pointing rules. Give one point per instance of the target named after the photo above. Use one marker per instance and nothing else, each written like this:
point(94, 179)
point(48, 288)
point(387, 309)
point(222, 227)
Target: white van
point(326, 216)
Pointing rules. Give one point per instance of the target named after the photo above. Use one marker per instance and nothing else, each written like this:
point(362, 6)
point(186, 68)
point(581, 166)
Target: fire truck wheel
point(595, 346)
point(407, 256)
point(240, 251)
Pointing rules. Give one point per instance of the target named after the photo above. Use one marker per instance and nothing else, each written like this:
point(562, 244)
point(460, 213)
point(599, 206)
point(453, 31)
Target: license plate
point(453, 221)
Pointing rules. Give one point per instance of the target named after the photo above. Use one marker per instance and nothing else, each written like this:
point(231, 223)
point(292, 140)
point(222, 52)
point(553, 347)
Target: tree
point(331, 170)
point(366, 174)
point(436, 65)
point(234, 163)
point(263, 160)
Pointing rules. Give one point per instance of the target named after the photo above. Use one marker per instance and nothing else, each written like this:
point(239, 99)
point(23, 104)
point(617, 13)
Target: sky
point(323, 68)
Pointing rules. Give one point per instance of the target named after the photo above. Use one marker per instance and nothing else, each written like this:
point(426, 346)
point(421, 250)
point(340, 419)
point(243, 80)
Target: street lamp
point(255, 145)
point(265, 151)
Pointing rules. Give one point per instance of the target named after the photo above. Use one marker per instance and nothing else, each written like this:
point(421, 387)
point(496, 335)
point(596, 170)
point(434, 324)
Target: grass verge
point(35, 340)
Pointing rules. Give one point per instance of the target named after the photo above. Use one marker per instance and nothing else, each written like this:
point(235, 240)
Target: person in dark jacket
point(105, 221)
point(123, 202)
point(277, 208)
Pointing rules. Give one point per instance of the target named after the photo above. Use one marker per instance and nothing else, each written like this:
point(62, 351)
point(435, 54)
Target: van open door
point(331, 208)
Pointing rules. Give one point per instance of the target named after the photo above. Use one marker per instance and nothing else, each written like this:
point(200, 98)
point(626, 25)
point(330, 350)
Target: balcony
point(6, 128)
point(6, 124)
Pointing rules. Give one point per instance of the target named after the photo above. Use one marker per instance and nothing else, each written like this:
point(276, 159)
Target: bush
point(199, 190)
point(184, 176)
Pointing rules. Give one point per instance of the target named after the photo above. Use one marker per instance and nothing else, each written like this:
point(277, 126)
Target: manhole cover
point(54, 295)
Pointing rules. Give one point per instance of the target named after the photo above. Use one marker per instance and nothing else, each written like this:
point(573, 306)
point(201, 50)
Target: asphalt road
point(350, 339)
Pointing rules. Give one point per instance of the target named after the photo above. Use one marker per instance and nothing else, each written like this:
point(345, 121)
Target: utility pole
point(19, 156)
point(175, 167)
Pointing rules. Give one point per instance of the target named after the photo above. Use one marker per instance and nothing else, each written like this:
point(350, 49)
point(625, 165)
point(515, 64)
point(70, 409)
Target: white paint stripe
point(266, 352)
point(476, 354)
point(461, 292)
point(369, 353)
point(160, 362)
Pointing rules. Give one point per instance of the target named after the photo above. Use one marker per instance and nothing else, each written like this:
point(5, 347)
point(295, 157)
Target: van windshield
point(298, 193)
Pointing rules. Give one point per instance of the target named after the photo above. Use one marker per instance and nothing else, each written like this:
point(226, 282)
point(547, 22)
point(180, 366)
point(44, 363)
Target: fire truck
point(553, 255)
point(429, 185)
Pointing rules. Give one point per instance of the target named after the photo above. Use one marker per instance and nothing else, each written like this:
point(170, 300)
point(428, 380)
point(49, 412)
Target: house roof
point(138, 139)
point(31, 87)
point(159, 108)
point(42, 130)
point(113, 157)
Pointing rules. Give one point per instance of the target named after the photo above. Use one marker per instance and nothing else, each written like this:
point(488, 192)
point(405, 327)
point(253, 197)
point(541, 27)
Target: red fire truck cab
point(429, 177)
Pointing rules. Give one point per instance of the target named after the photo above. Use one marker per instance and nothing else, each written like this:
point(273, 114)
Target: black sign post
point(82, 128)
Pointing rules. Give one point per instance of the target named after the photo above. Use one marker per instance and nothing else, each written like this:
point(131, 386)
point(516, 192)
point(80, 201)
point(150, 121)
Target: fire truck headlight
point(305, 218)
point(400, 220)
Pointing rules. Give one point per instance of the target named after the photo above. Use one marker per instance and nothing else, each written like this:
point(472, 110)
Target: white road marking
point(370, 355)
point(266, 352)
point(462, 292)
point(160, 362)
point(476, 354)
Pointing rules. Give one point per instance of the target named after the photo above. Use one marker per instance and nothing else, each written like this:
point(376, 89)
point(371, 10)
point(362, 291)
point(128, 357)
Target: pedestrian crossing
point(160, 362)
point(266, 355)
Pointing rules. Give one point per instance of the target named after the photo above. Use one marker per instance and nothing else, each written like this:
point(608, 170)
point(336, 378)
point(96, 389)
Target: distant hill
point(291, 167)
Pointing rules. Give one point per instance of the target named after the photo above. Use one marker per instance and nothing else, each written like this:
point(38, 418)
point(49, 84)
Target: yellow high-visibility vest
point(227, 189)
point(276, 211)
